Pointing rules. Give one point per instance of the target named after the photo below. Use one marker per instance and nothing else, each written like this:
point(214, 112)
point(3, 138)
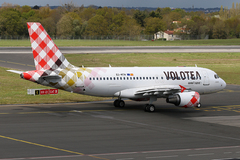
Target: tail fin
point(46, 54)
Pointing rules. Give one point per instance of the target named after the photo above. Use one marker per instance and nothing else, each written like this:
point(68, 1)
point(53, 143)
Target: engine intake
point(185, 99)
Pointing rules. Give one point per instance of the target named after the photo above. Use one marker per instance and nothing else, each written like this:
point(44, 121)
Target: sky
point(130, 3)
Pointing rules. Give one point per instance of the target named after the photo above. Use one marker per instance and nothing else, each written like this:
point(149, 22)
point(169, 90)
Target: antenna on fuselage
point(110, 65)
point(195, 65)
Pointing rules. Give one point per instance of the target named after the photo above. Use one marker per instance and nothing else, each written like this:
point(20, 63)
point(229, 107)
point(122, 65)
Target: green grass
point(14, 89)
point(68, 43)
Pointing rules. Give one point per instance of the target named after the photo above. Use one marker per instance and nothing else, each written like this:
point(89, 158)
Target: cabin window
point(110, 78)
point(107, 78)
point(133, 78)
point(143, 78)
point(93, 78)
point(120, 78)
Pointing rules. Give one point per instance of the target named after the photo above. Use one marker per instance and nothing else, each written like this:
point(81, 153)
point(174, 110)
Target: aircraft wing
point(162, 91)
point(159, 90)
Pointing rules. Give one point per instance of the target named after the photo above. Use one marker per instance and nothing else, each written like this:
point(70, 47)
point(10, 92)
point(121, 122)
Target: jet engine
point(185, 99)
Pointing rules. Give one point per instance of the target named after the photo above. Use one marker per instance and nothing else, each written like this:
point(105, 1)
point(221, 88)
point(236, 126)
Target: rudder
point(46, 54)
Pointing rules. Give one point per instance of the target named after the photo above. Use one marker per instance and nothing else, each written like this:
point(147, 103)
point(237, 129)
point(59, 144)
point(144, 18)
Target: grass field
point(14, 89)
point(68, 43)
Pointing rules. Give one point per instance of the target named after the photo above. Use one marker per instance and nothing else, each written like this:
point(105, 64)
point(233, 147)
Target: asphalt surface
point(91, 131)
point(134, 49)
point(100, 131)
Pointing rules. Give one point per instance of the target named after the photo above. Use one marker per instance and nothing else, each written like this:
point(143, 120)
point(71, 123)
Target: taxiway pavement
point(97, 130)
point(130, 49)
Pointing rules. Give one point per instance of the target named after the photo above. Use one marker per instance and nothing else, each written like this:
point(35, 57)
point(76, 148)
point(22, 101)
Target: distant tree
point(11, 22)
point(44, 12)
point(36, 7)
point(26, 8)
point(97, 25)
point(155, 14)
point(238, 31)
point(231, 26)
point(140, 16)
point(166, 10)
point(175, 16)
point(131, 27)
point(49, 26)
point(87, 14)
point(219, 31)
point(65, 26)
point(154, 25)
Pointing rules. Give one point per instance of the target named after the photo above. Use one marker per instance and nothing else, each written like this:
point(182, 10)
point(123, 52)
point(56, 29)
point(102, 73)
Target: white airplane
point(180, 86)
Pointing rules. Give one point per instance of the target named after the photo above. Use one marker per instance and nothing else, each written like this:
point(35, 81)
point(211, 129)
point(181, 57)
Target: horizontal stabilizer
point(14, 71)
point(50, 79)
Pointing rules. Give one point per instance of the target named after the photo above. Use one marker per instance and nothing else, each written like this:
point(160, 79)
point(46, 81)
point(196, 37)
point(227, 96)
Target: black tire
point(121, 103)
point(146, 108)
point(199, 105)
point(115, 103)
point(151, 108)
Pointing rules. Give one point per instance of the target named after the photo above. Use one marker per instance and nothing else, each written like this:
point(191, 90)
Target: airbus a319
point(181, 86)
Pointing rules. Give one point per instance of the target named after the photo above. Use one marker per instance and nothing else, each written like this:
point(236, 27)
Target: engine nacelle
point(185, 99)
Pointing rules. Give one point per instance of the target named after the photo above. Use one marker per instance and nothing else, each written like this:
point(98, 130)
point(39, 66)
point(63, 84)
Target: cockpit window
point(216, 76)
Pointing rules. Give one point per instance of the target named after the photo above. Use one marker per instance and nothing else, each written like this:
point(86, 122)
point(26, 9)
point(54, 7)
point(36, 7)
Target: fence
point(110, 37)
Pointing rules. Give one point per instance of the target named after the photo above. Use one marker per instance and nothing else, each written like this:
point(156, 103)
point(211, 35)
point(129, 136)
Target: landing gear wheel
point(119, 103)
point(115, 103)
point(149, 108)
point(146, 108)
point(199, 105)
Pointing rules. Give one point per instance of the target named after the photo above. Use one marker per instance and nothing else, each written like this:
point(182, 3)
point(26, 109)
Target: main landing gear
point(119, 103)
point(149, 108)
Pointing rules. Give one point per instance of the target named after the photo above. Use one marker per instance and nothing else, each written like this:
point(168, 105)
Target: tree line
point(70, 20)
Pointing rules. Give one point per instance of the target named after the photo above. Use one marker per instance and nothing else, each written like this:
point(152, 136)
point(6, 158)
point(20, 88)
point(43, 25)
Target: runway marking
point(50, 147)
point(170, 156)
point(40, 145)
point(203, 154)
point(17, 63)
point(47, 112)
point(232, 108)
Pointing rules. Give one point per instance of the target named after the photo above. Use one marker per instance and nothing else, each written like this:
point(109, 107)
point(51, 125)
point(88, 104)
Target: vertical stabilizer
point(46, 54)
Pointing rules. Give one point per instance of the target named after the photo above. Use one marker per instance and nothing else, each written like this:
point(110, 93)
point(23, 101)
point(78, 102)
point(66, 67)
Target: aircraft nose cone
point(223, 84)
